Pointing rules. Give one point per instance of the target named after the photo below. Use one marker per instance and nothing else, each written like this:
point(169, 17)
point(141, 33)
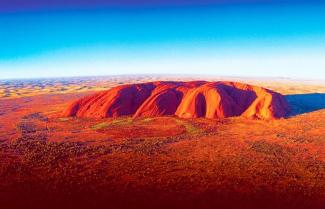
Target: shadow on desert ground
point(305, 103)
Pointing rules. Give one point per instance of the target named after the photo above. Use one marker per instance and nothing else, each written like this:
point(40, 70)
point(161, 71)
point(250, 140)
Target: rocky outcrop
point(183, 99)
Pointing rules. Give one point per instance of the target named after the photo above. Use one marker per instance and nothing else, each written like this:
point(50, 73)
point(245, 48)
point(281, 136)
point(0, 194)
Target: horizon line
point(167, 75)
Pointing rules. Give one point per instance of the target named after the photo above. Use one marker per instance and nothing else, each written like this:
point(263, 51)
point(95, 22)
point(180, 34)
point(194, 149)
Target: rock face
point(183, 99)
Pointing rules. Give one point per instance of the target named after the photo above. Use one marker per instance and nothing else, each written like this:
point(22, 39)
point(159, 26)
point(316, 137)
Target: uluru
point(192, 99)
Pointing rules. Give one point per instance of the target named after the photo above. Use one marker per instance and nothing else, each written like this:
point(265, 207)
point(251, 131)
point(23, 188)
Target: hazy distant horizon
point(171, 76)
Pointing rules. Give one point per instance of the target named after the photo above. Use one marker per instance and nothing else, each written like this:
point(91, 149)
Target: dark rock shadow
point(305, 103)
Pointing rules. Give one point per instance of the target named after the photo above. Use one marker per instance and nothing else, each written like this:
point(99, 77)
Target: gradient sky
point(233, 38)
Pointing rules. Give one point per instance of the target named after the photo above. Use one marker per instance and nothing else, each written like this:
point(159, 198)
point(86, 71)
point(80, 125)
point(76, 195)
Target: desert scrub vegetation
point(122, 121)
point(115, 122)
point(100, 126)
point(26, 127)
point(189, 127)
point(267, 148)
point(35, 116)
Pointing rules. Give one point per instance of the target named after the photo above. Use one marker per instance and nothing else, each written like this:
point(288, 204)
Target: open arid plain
point(51, 161)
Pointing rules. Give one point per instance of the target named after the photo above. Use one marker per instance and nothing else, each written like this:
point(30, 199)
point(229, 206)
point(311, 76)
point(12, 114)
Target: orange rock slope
point(183, 99)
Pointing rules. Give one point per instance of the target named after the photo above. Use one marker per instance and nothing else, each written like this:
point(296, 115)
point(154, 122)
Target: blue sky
point(278, 40)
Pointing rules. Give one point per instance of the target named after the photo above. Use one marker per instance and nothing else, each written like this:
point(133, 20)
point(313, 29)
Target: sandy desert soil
point(52, 162)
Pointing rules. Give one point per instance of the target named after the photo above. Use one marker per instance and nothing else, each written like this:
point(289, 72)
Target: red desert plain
point(162, 142)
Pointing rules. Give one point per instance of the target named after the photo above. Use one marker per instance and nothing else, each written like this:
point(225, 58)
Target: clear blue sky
point(243, 38)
